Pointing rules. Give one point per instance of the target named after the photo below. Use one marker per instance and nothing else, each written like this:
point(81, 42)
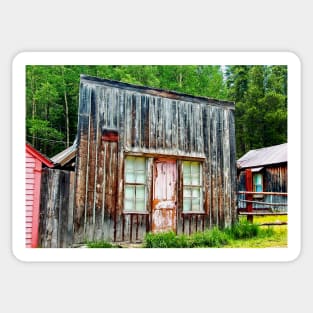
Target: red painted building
point(34, 162)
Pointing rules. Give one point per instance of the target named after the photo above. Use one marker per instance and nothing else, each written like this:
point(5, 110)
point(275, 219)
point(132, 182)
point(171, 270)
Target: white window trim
point(201, 211)
point(136, 211)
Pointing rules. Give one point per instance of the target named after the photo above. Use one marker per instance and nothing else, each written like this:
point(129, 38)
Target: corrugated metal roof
point(264, 156)
point(64, 156)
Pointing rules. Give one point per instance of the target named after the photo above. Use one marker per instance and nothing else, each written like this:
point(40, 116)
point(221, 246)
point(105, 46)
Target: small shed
point(34, 162)
point(264, 170)
point(151, 160)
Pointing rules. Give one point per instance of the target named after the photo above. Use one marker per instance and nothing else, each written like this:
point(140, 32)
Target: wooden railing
point(249, 212)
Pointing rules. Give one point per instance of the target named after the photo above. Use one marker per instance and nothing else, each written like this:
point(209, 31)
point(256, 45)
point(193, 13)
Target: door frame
point(164, 160)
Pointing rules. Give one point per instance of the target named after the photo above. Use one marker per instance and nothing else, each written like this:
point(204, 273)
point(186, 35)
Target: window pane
point(187, 180)
point(140, 164)
point(187, 192)
point(140, 177)
point(195, 205)
point(129, 192)
point(258, 188)
point(129, 205)
point(195, 179)
point(140, 192)
point(140, 205)
point(129, 163)
point(257, 179)
point(195, 168)
point(130, 177)
point(196, 192)
point(187, 205)
point(186, 168)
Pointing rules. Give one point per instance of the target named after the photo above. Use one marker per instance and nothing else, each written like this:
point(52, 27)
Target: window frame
point(191, 186)
point(134, 184)
point(254, 185)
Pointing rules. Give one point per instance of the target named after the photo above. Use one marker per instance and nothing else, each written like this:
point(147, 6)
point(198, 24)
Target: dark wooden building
point(267, 168)
point(151, 160)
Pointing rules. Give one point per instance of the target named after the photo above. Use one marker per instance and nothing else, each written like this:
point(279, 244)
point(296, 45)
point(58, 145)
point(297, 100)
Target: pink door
point(164, 196)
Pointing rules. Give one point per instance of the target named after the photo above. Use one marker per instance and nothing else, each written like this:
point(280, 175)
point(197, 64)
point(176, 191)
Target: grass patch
point(268, 237)
point(240, 235)
point(100, 244)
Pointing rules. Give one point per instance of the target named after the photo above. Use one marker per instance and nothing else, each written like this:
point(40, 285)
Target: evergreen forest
point(259, 93)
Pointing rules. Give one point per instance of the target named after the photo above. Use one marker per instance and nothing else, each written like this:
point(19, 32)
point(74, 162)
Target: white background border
point(157, 255)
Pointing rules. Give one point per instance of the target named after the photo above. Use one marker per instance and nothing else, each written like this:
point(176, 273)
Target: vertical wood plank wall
point(275, 178)
point(149, 123)
point(56, 209)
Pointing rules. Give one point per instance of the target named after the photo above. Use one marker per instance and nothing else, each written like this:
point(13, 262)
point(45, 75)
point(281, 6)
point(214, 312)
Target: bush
point(160, 240)
point(210, 238)
point(243, 230)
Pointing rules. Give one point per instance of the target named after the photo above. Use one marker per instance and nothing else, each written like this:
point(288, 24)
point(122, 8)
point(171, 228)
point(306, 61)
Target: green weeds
point(216, 238)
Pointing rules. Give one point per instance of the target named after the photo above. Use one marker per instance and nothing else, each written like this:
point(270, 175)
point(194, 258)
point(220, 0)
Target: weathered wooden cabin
point(264, 170)
point(34, 164)
point(151, 160)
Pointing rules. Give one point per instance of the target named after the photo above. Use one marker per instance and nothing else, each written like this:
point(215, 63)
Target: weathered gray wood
point(264, 193)
point(56, 209)
point(150, 123)
point(265, 203)
point(263, 213)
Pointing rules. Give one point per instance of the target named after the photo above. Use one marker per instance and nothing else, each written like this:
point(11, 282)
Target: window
point(135, 184)
point(192, 193)
point(258, 182)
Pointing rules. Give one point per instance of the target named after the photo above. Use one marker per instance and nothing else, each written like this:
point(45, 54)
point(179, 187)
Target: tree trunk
point(33, 104)
point(66, 111)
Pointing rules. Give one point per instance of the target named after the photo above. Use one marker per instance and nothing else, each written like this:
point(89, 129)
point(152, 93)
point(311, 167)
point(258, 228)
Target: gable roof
point(264, 156)
point(38, 155)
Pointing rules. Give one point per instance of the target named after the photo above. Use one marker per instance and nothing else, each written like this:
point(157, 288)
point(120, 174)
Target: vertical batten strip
point(233, 171)
point(104, 186)
point(87, 163)
point(97, 144)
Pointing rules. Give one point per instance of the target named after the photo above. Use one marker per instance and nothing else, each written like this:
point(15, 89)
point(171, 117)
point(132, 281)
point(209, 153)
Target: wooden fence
point(56, 209)
point(250, 212)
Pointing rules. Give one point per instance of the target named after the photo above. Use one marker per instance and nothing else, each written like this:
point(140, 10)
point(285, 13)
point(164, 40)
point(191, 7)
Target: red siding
point(32, 194)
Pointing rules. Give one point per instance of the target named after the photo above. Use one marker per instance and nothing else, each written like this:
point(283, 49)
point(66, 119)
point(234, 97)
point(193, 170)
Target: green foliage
point(214, 237)
point(162, 240)
point(209, 238)
point(243, 230)
point(260, 94)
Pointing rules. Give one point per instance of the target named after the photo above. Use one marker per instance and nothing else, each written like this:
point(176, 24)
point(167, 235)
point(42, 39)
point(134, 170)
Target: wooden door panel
point(164, 196)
